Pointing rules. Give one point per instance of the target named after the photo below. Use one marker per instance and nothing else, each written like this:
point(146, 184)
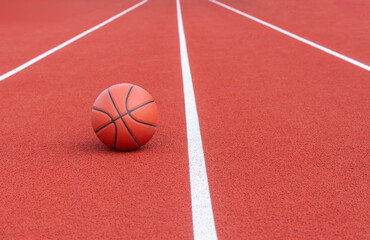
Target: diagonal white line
point(47, 53)
point(203, 222)
point(315, 45)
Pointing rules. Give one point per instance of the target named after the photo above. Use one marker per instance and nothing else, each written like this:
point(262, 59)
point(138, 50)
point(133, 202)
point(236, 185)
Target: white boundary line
point(203, 222)
point(315, 45)
point(45, 54)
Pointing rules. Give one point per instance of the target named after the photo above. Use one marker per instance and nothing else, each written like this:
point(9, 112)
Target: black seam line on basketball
point(119, 114)
point(115, 135)
point(142, 122)
point(129, 112)
point(126, 127)
point(94, 108)
point(122, 118)
point(130, 132)
point(139, 107)
point(113, 121)
point(104, 126)
point(115, 132)
point(115, 126)
point(113, 103)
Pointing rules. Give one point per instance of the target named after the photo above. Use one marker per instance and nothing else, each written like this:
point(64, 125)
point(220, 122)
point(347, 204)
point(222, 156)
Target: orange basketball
point(124, 117)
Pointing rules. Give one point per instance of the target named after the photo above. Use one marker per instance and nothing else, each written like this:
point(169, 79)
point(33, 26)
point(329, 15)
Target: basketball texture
point(124, 117)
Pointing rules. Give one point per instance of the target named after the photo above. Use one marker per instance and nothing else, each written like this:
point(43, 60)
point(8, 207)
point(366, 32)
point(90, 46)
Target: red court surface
point(57, 179)
point(342, 25)
point(28, 28)
point(284, 126)
point(286, 143)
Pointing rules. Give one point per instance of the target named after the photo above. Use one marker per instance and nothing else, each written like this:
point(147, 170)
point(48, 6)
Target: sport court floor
point(282, 105)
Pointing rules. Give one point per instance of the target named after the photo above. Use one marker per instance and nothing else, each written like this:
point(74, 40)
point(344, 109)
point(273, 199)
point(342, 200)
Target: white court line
point(45, 54)
point(203, 222)
point(315, 45)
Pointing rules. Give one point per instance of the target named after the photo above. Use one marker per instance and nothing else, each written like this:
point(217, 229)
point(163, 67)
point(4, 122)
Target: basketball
point(124, 117)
